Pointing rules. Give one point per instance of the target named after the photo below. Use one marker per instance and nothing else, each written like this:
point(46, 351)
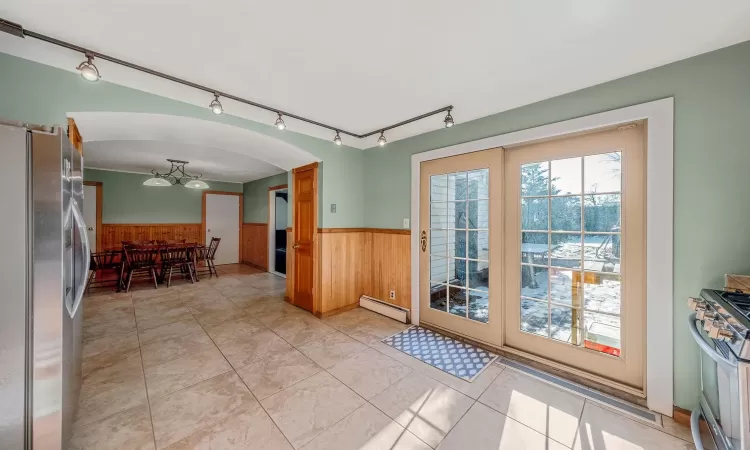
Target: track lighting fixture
point(337, 139)
point(280, 123)
point(216, 105)
point(448, 119)
point(381, 140)
point(88, 70)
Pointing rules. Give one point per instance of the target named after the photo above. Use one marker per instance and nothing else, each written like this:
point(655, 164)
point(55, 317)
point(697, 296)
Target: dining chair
point(102, 262)
point(206, 255)
point(179, 255)
point(140, 258)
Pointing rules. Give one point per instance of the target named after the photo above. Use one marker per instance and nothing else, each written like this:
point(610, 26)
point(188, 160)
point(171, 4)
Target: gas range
point(726, 318)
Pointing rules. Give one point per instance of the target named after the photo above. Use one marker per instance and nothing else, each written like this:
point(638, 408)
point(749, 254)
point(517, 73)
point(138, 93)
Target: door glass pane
point(535, 214)
point(602, 173)
point(457, 301)
point(439, 296)
point(479, 184)
point(459, 244)
point(479, 214)
point(566, 176)
point(570, 250)
point(602, 333)
point(438, 215)
point(439, 269)
point(535, 179)
point(479, 275)
point(535, 317)
point(479, 245)
point(479, 306)
point(566, 213)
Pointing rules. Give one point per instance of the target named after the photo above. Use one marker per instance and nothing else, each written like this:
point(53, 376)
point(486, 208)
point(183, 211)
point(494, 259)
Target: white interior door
point(223, 221)
point(89, 213)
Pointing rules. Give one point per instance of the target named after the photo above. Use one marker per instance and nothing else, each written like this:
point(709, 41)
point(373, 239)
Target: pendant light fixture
point(381, 140)
point(175, 176)
point(280, 123)
point(337, 139)
point(448, 119)
point(88, 70)
point(215, 105)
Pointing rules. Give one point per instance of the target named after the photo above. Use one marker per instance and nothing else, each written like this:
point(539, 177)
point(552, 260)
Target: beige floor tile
point(102, 312)
point(539, 405)
point(128, 430)
point(96, 328)
point(423, 406)
point(159, 352)
point(304, 410)
point(369, 373)
point(110, 343)
point(240, 291)
point(366, 429)
point(265, 296)
point(145, 295)
point(185, 371)
point(268, 376)
point(215, 312)
point(373, 331)
point(298, 329)
point(152, 315)
point(241, 352)
point(483, 428)
point(169, 331)
point(221, 281)
point(106, 366)
point(98, 306)
point(601, 428)
point(100, 400)
point(182, 413)
point(252, 429)
point(237, 329)
point(331, 349)
point(274, 310)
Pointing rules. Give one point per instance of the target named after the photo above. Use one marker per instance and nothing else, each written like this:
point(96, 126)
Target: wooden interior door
point(575, 253)
point(305, 221)
point(461, 251)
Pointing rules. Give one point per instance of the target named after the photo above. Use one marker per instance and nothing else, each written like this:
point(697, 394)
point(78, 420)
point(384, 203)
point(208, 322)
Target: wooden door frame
point(203, 217)
point(272, 232)
point(99, 201)
point(659, 116)
point(317, 308)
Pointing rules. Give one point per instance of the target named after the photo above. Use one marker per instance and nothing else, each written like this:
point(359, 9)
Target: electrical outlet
point(333, 207)
point(392, 295)
point(406, 223)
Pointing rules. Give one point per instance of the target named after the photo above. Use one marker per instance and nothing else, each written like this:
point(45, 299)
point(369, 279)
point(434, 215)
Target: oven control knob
point(720, 331)
point(706, 315)
point(696, 304)
point(708, 325)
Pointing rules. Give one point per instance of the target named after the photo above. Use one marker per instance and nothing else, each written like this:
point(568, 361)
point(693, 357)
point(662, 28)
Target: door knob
point(91, 228)
point(295, 246)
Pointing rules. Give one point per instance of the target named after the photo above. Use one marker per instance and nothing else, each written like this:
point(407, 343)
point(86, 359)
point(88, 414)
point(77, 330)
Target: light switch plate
point(333, 207)
point(406, 223)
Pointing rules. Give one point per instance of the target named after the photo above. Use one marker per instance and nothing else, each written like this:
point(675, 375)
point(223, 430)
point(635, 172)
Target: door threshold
point(278, 274)
point(628, 408)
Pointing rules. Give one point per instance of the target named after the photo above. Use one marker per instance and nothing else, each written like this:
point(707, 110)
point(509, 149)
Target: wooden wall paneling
point(114, 234)
point(255, 244)
point(345, 273)
point(391, 268)
point(289, 297)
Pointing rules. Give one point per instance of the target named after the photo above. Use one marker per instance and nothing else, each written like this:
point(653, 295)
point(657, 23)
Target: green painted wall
point(36, 93)
point(712, 156)
point(255, 194)
point(127, 200)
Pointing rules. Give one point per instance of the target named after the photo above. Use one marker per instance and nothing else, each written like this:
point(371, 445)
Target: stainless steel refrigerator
point(44, 257)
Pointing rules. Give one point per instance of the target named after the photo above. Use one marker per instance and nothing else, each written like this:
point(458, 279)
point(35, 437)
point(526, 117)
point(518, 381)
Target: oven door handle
point(712, 353)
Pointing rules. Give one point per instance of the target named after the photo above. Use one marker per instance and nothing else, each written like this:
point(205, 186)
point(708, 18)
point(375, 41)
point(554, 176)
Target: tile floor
point(227, 364)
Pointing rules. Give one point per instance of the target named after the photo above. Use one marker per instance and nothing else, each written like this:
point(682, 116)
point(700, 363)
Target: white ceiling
point(141, 142)
point(363, 65)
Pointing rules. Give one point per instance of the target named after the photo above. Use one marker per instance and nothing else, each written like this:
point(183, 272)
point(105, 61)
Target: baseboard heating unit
point(386, 309)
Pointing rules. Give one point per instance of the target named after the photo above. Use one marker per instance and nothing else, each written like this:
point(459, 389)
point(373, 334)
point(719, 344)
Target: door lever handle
point(295, 246)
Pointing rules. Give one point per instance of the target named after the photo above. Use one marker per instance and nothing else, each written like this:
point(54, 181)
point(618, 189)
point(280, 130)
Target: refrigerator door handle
point(85, 253)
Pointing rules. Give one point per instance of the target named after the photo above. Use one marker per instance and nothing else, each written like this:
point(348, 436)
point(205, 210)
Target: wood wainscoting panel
point(391, 268)
point(345, 268)
point(114, 233)
point(255, 244)
point(289, 265)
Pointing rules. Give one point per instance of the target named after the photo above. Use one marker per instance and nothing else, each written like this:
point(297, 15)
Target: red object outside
point(602, 348)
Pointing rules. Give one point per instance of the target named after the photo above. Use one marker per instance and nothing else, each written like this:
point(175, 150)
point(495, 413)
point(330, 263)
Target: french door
point(550, 262)
point(461, 244)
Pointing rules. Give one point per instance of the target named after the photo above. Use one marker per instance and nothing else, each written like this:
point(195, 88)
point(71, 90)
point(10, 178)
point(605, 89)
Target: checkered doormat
point(457, 358)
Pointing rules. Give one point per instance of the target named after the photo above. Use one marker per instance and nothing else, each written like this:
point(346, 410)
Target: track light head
point(448, 119)
point(381, 140)
point(215, 105)
point(280, 123)
point(88, 70)
point(337, 139)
